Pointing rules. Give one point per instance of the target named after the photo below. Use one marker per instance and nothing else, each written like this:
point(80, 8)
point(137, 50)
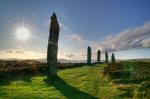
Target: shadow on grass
point(2, 93)
point(7, 78)
point(69, 91)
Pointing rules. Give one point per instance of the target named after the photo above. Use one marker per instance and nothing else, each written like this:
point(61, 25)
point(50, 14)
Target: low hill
point(135, 60)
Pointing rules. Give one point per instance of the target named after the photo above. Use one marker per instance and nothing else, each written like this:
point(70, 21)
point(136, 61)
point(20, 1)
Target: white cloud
point(77, 38)
point(65, 55)
point(70, 55)
point(129, 39)
point(21, 54)
point(63, 26)
point(146, 42)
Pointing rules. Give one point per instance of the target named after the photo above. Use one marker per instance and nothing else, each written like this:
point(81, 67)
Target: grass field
point(78, 83)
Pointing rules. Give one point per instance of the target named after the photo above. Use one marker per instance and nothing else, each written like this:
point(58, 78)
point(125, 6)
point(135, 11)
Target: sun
point(22, 33)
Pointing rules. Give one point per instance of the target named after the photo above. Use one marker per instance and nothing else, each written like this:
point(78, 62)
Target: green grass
point(78, 83)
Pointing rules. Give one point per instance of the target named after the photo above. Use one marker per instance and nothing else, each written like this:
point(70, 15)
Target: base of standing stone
point(52, 70)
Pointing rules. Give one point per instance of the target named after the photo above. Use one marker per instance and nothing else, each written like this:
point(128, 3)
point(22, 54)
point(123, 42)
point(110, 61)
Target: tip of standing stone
point(54, 15)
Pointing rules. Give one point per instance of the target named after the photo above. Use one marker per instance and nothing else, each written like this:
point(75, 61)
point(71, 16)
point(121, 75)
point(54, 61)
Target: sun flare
point(22, 33)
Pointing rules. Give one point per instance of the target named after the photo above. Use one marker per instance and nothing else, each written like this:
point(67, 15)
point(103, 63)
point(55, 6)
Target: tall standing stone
point(89, 55)
point(106, 57)
point(98, 56)
point(113, 60)
point(53, 46)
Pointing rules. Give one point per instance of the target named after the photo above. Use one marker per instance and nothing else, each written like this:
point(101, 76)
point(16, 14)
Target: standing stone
point(89, 55)
point(113, 60)
point(106, 57)
point(98, 56)
point(53, 46)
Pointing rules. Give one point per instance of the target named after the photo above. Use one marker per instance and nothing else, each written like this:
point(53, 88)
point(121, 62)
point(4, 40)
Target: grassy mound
point(76, 83)
point(87, 82)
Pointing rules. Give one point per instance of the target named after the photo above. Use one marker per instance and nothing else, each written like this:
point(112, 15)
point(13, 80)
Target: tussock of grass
point(133, 76)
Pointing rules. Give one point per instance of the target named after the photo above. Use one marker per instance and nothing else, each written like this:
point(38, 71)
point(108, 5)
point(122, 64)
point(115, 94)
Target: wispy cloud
point(70, 55)
point(63, 26)
point(19, 51)
point(146, 42)
point(129, 39)
point(21, 54)
point(10, 51)
point(65, 55)
point(76, 38)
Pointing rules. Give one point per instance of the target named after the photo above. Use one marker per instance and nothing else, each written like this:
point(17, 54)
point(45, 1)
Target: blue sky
point(120, 26)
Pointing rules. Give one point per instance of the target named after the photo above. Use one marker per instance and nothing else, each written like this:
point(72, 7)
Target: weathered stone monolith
point(89, 55)
point(98, 56)
point(106, 57)
point(53, 46)
point(113, 60)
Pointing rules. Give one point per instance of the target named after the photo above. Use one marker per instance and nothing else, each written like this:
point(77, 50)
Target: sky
point(119, 26)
